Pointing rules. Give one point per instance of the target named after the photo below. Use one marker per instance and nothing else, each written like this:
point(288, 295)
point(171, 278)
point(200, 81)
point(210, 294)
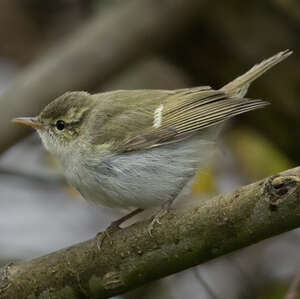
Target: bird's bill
point(28, 121)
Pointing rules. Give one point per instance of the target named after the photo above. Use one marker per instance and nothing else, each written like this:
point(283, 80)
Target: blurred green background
point(49, 47)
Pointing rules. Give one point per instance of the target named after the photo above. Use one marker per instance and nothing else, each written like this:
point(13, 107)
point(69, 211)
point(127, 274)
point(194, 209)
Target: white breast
point(146, 178)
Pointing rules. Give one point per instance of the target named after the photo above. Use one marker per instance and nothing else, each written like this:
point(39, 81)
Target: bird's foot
point(114, 226)
point(156, 219)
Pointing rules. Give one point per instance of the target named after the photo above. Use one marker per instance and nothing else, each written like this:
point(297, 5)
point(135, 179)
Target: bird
point(141, 148)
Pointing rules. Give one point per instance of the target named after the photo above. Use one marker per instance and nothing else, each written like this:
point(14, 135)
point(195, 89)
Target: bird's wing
point(186, 112)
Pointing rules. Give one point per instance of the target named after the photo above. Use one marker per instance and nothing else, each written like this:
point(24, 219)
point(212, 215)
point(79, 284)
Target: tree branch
point(185, 238)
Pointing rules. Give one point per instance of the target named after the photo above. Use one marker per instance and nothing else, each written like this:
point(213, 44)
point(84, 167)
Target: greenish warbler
point(140, 148)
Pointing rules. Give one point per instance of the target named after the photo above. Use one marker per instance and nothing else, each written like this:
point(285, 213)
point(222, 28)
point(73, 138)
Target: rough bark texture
point(185, 238)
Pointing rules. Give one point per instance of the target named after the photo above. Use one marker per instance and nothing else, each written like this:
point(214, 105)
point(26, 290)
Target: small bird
point(141, 148)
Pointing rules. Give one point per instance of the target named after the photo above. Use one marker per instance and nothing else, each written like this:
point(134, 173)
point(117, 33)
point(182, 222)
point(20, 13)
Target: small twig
point(248, 283)
point(42, 176)
point(205, 284)
point(293, 291)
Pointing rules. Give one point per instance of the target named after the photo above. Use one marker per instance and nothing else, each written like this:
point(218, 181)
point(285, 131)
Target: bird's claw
point(156, 219)
point(106, 234)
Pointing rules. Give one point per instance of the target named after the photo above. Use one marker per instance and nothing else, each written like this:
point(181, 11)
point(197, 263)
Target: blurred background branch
point(293, 291)
point(92, 55)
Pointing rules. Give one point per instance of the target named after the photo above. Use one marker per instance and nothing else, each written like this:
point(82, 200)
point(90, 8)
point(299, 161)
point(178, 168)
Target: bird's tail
point(239, 86)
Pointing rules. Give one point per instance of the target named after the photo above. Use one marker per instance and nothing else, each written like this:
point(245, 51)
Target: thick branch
point(185, 238)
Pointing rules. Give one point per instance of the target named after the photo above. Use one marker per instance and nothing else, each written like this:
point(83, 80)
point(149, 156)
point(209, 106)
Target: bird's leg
point(163, 210)
point(115, 225)
point(166, 206)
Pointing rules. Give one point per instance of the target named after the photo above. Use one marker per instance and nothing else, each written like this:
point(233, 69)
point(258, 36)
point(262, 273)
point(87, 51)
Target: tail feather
point(239, 86)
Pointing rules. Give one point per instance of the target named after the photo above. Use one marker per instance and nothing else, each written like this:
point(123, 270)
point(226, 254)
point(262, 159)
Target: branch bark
point(185, 238)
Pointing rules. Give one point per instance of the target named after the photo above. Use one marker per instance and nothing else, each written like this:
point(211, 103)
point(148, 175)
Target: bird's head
point(61, 123)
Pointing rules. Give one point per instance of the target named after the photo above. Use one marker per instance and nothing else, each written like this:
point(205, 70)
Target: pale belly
point(143, 179)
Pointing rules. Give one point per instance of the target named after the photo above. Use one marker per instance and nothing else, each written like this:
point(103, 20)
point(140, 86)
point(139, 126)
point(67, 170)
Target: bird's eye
point(60, 125)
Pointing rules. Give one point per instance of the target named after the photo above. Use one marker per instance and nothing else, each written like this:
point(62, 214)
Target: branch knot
point(278, 188)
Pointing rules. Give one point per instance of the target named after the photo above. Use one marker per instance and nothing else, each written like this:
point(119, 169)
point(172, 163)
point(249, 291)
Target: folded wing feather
point(187, 112)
